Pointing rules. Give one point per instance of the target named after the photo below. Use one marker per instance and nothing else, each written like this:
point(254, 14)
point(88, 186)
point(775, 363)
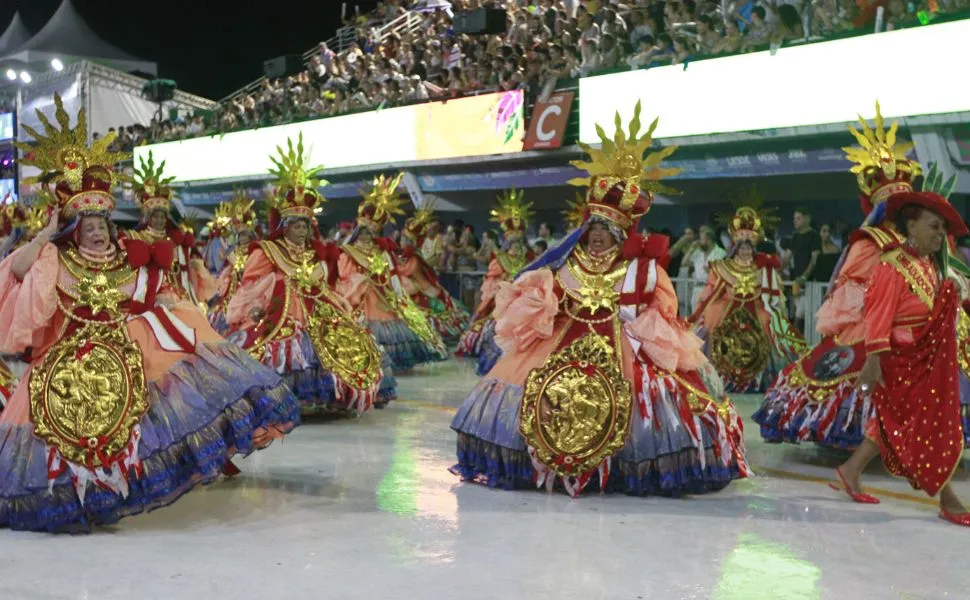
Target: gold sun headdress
point(416, 227)
point(82, 176)
point(575, 212)
point(512, 212)
point(236, 214)
point(29, 214)
point(296, 192)
point(382, 202)
point(750, 217)
point(621, 181)
point(881, 166)
point(152, 189)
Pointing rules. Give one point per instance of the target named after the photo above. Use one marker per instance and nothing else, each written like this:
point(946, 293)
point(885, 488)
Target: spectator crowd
point(545, 42)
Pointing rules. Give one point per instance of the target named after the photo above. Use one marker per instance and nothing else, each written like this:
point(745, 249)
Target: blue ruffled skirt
point(786, 415)
point(204, 411)
point(489, 353)
point(315, 386)
point(658, 459)
point(405, 349)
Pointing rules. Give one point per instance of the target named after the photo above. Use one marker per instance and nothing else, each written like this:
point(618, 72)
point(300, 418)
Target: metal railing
point(340, 44)
point(458, 284)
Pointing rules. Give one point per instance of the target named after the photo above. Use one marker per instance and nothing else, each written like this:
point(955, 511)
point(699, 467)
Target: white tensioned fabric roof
point(67, 35)
point(15, 35)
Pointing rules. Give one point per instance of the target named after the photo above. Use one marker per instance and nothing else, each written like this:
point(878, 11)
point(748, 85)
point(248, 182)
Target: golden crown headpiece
point(382, 202)
point(152, 189)
point(881, 166)
point(417, 226)
point(296, 192)
point(621, 181)
point(236, 214)
point(575, 212)
point(82, 176)
point(31, 214)
point(750, 217)
point(512, 212)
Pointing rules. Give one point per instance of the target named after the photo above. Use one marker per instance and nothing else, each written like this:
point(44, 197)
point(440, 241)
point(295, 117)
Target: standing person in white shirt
point(706, 250)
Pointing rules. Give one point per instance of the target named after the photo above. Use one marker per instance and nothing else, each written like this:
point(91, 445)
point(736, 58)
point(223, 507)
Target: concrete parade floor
point(366, 508)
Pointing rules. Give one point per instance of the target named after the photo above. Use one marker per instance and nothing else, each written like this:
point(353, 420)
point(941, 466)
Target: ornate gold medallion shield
point(739, 346)
point(345, 348)
point(89, 394)
point(576, 407)
point(417, 321)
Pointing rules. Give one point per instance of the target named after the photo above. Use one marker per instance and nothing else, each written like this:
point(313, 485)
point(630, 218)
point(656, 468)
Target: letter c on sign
point(541, 133)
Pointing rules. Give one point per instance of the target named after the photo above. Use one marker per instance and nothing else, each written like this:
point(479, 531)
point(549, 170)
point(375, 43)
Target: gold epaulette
point(885, 235)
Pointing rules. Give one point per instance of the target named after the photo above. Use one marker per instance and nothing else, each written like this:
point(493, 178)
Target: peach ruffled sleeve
point(351, 283)
point(27, 307)
point(202, 281)
point(225, 278)
point(661, 335)
point(525, 311)
point(255, 290)
point(841, 313)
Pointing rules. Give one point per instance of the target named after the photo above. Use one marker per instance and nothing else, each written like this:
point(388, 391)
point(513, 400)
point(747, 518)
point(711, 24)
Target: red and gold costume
point(188, 277)
point(130, 399)
point(287, 314)
point(910, 314)
point(420, 280)
point(814, 399)
point(371, 283)
point(233, 220)
point(600, 383)
point(741, 310)
point(512, 214)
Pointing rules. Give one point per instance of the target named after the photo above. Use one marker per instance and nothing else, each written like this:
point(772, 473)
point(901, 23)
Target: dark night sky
point(209, 47)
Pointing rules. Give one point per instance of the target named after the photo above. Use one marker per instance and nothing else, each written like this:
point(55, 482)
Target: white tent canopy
point(15, 36)
point(68, 37)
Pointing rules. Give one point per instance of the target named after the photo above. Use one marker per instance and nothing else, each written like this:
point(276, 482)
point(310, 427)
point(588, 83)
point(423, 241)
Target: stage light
point(57, 65)
point(25, 77)
point(11, 75)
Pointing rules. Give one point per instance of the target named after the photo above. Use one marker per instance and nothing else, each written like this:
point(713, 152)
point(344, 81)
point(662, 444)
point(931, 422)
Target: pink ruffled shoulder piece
point(525, 310)
point(202, 281)
point(256, 289)
point(27, 307)
point(842, 309)
point(352, 283)
point(667, 343)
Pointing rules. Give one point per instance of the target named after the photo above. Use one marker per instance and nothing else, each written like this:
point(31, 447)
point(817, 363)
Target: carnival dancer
point(741, 311)
point(600, 383)
point(369, 280)
point(512, 214)
point(189, 277)
point(814, 399)
point(286, 312)
point(911, 365)
point(446, 314)
point(130, 399)
point(235, 222)
point(20, 222)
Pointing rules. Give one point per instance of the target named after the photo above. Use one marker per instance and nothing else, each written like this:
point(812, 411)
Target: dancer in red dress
point(911, 368)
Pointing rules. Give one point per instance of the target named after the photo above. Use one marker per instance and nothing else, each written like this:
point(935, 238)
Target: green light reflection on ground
point(397, 491)
point(757, 569)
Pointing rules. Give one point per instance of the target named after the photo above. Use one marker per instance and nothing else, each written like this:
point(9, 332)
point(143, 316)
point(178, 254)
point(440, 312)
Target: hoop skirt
point(204, 407)
point(683, 434)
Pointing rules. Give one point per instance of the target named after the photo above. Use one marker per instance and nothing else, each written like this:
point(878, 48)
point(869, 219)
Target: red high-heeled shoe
point(860, 497)
point(230, 469)
point(961, 519)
